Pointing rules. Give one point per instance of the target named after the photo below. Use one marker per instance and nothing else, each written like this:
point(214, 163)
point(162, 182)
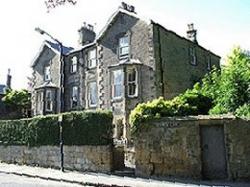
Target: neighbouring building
point(129, 62)
point(3, 88)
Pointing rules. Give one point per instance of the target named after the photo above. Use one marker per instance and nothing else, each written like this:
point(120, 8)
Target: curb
point(62, 180)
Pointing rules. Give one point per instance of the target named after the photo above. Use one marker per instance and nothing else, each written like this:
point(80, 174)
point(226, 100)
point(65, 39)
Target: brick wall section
point(83, 158)
point(170, 147)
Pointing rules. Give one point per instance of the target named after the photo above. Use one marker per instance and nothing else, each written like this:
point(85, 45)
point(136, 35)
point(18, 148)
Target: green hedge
point(79, 128)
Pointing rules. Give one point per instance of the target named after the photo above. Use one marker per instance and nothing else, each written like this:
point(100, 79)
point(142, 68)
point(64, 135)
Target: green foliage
point(17, 101)
point(243, 111)
point(79, 128)
point(225, 90)
point(230, 87)
point(192, 102)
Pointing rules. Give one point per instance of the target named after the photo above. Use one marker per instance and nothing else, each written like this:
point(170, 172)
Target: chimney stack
point(86, 34)
point(8, 82)
point(129, 8)
point(192, 33)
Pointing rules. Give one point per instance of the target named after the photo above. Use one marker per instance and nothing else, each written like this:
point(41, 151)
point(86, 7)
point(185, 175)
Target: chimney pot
point(192, 33)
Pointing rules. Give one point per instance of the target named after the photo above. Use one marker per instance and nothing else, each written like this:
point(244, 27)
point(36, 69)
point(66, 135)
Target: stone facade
point(84, 158)
point(129, 62)
point(175, 147)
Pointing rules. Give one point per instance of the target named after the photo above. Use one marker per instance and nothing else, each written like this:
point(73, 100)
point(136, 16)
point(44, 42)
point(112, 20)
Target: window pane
point(48, 100)
point(47, 73)
point(117, 90)
point(74, 64)
point(131, 75)
point(124, 50)
point(131, 89)
point(117, 83)
point(124, 41)
point(93, 93)
point(92, 54)
point(92, 58)
point(74, 96)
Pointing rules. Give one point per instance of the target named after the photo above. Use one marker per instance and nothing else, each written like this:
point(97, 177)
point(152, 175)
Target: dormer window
point(92, 60)
point(47, 76)
point(123, 47)
point(192, 53)
point(73, 67)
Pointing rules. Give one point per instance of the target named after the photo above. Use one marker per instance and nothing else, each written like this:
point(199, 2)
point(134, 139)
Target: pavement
point(104, 180)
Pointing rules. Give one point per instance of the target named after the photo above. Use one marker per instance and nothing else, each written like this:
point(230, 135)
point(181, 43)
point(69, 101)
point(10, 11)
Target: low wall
point(84, 158)
point(171, 147)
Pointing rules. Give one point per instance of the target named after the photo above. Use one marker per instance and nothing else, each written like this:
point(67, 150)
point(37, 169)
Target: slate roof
point(57, 47)
point(54, 47)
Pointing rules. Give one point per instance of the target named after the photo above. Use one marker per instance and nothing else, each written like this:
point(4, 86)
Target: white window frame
point(122, 46)
point(92, 60)
point(47, 73)
point(74, 96)
point(132, 82)
point(114, 84)
point(90, 84)
point(48, 101)
point(73, 67)
point(193, 58)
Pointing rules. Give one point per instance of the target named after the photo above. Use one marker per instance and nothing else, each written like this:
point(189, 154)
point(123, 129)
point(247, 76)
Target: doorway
point(213, 152)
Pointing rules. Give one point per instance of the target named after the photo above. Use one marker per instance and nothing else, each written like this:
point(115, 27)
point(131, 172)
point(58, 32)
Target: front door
point(213, 152)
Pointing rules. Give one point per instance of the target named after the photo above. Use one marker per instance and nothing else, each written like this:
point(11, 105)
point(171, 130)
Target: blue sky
point(221, 24)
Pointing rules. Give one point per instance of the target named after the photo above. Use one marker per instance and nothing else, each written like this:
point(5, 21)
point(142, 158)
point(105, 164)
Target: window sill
point(132, 96)
point(117, 99)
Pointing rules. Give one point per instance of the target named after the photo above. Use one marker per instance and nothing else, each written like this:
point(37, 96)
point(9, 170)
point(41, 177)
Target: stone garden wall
point(83, 158)
point(171, 147)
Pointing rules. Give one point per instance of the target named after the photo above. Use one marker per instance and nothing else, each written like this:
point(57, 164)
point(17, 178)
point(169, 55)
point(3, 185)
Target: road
point(9, 180)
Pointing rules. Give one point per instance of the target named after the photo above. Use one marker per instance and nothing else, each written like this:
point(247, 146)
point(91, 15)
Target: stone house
point(129, 62)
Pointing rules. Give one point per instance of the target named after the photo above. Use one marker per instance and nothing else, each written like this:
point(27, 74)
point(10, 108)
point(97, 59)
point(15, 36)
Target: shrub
point(191, 102)
point(79, 128)
point(243, 111)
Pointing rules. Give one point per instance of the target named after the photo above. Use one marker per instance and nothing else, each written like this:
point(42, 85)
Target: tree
point(18, 103)
point(229, 87)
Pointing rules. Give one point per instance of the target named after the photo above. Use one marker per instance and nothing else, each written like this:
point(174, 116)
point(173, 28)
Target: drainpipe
point(161, 84)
